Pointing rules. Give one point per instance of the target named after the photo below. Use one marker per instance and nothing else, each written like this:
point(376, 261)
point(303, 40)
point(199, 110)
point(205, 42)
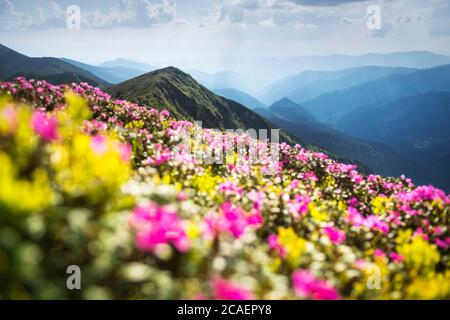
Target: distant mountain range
point(375, 156)
point(417, 126)
point(123, 63)
point(332, 106)
point(406, 110)
point(277, 68)
point(54, 70)
point(241, 97)
point(310, 84)
point(113, 75)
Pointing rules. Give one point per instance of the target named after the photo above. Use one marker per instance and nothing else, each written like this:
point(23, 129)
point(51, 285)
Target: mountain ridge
point(185, 98)
point(47, 68)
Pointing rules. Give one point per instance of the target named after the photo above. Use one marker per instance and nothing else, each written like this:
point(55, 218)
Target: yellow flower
point(419, 255)
point(293, 245)
point(379, 205)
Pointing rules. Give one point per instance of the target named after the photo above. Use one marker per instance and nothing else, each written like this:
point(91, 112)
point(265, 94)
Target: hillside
point(14, 64)
point(185, 98)
point(99, 186)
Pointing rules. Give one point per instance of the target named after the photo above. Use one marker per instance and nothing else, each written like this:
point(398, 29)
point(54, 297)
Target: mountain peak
point(170, 69)
point(285, 100)
point(288, 109)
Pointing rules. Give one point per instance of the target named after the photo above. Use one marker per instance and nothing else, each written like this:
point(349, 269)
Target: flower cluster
point(115, 188)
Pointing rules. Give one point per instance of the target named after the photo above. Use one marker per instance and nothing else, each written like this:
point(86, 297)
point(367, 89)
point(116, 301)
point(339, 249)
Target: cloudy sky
point(207, 33)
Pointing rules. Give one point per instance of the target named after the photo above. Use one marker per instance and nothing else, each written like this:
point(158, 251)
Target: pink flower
point(299, 206)
point(354, 217)
point(164, 113)
point(233, 220)
point(274, 244)
point(306, 285)
point(9, 113)
point(156, 225)
point(98, 145)
point(335, 235)
point(442, 244)
point(231, 188)
point(226, 290)
point(45, 126)
point(379, 253)
point(419, 232)
point(396, 257)
point(125, 152)
point(372, 222)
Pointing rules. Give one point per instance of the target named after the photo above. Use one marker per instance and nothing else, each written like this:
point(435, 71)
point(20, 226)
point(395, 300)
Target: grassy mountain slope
point(51, 69)
point(185, 98)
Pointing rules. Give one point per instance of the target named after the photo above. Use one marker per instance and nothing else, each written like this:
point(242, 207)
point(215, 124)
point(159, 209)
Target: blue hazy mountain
point(309, 84)
point(332, 106)
point(417, 126)
point(113, 75)
point(240, 97)
point(123, 63)
point(278, 68)
point(375, 157)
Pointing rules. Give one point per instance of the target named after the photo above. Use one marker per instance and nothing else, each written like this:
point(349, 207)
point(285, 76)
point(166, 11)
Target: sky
point(209, 34)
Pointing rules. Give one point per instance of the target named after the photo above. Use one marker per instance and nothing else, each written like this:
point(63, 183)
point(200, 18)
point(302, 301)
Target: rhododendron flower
point(232, 219)
point(98, 144)
point(396, 257)
point(45, 126)
point(311, 176)
point(419, 232)
point(306, 285)
point(355, 217)
point(274, 244)
point(443, 244)
point(257, 198)
point(9, 113)
point(164, 113)
point(157, 225)
point(226, 290)
point(125, 152)
point(372, 222)
point(299, 206)
point(230, 187)
point(378, 253)
point(335, 235)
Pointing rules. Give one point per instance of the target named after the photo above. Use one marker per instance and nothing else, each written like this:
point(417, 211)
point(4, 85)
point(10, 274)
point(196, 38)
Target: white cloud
point(128, 13)
point(10, 19)
point(267, 23)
